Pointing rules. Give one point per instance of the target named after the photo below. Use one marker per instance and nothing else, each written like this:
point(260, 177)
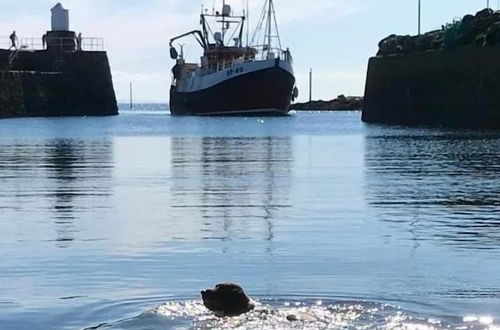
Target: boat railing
point(264, 53)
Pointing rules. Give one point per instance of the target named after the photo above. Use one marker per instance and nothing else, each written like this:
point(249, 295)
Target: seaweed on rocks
point(341, 103)
point(479, 30)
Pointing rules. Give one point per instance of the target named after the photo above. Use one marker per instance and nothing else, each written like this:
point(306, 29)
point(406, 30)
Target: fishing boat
point(233, 78)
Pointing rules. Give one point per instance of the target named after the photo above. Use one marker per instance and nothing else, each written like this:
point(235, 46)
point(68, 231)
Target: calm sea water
point(118, 223)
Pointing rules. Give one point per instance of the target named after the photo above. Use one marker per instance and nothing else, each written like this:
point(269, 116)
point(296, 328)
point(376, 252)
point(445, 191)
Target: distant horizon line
point(127, 102)
point(142, 102)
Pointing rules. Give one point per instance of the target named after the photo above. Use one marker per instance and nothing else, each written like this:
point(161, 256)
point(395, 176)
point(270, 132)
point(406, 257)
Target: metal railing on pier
point(93, 44)
point(4, 42)
point(31, 44)
point(63, 44)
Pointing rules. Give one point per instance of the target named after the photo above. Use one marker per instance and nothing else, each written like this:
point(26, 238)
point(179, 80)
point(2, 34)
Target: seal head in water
point(227, 300)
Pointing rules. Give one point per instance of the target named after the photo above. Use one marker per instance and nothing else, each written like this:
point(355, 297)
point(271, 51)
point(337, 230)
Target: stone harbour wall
point(53, 84)
point(458, 87)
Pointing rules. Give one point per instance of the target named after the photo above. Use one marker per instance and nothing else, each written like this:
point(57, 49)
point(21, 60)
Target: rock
point(492, 34)
point(227, 299)
point(302, 317)
point(342, 102)
point(388, 45)
point(484, 13)
point(477, 30)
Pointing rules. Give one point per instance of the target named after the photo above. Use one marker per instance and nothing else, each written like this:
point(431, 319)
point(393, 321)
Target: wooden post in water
point(310, 88)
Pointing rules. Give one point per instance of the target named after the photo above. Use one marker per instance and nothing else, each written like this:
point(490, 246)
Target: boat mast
point(247, 15)
point(269, 17)
point(223, 21)
point(269, 29)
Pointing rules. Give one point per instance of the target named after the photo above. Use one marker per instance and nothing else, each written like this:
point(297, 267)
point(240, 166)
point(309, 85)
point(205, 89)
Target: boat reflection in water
point(69, 182)
point(234, 186)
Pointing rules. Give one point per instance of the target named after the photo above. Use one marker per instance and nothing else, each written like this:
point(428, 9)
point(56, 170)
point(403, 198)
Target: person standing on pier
point(44, 41)
point(79, 42)
point(13, 40)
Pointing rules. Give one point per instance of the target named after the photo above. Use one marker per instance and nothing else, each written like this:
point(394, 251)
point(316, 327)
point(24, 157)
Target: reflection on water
point(442, 186)
point(67, 164)
point(236, 185)
point(103, 219)
point(60, 163)
point(60, 180)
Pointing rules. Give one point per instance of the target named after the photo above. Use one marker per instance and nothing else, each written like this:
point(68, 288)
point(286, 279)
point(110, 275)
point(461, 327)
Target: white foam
point(316, 315)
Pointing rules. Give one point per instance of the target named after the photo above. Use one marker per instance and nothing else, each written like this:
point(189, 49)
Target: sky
point(334, 38)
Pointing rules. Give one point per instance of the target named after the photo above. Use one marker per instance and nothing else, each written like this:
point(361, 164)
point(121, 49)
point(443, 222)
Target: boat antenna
point(248, 22)
point(269, 26)
point(223, 21)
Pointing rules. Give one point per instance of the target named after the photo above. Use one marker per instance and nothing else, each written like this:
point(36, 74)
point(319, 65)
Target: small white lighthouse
point(60, 18)
point(60, 38)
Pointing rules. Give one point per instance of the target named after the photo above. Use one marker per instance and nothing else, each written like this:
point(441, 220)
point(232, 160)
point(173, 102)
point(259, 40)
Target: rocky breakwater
point(49, 83)
point(341, 103)
point(447, 77)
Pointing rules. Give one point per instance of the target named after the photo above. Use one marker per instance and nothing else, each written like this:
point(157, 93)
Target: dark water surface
point(118, 223)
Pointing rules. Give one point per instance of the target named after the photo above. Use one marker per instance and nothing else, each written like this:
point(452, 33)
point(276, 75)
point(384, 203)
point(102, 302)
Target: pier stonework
point(11, 95)
point(54, 76)
point(455, 88)
point(56, 83)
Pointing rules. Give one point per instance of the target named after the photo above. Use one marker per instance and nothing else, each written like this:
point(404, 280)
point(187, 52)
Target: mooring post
point(131, 99)
point(310, 88)
point(419, 17)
